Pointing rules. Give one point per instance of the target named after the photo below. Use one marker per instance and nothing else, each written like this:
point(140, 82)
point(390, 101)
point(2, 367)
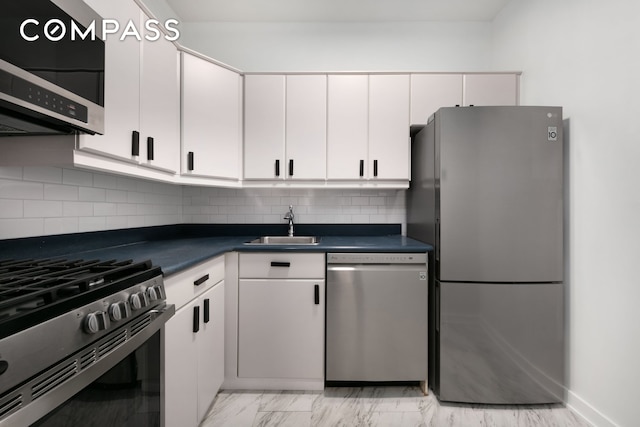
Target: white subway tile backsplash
point(77, 209)
point(43, 174)
point(42, 208)
point(116, 196)
point(77, 177)
point(90, 194)
point(105, 209)
point(10, 189)
point(60, 225)
point(37, 201)
point(9, 172)
point(105, 181)
point(60, 192)
point(11, 208)
point(22, 227)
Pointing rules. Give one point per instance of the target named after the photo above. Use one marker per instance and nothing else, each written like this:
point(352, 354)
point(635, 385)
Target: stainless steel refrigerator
point(487, 192)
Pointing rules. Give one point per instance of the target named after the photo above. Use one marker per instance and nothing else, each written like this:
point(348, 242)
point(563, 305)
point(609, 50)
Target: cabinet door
point(210, 347)
point(347, 127)
point(160, 104)
point(490, 89)
point(210, 118)
point(181, 368)
point(389, 127)
point(264, 127)
point(432, 91)
point(281, 329)
point(306, 127)
point(121, 85)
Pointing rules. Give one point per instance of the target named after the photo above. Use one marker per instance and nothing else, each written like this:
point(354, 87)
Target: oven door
point(121, 388)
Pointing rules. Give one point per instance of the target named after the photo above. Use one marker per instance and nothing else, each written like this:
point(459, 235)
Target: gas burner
point(33, 291)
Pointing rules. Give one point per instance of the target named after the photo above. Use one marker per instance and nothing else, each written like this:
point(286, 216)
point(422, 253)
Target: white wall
point(394, 46)
point(585, 56)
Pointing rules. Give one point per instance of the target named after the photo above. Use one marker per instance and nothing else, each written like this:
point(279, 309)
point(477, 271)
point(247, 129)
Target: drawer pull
point(201, 280)
point(280, 264)
point(316, 294)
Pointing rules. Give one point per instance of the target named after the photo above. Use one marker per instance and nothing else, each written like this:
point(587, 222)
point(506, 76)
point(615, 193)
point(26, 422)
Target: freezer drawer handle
point(206, 311)
point(201, 280)
point(316, 294)
point(196, 319)
point(361, 168)
point(280, 264)
point(149, 148)
point(135, 143)
point(277, 167)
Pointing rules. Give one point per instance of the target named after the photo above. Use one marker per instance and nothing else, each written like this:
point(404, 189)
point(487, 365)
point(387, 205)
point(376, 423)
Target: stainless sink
point(285, 240)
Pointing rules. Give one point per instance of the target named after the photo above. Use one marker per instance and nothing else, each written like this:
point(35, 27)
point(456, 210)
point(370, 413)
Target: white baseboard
point(587, 412)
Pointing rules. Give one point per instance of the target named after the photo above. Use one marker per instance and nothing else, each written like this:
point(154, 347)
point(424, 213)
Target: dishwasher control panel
point(376, 258)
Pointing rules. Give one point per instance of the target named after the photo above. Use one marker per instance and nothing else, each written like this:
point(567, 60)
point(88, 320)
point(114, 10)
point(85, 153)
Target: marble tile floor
point(372, 407)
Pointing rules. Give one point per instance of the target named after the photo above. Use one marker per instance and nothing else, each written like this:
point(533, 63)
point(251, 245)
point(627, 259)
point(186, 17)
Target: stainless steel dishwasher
point(376, 317)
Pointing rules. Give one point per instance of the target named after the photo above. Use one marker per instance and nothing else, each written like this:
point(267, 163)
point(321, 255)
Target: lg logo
point(55, 30)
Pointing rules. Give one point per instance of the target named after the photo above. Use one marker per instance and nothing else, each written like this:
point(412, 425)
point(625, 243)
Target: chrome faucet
point(289, 215)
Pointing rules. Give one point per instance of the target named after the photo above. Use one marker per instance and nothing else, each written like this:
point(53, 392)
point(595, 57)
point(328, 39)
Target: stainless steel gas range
point(80, 342)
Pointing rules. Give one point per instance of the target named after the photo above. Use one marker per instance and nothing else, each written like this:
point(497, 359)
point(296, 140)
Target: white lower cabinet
point(280, 301)
point(194, 343)
point(281, 329)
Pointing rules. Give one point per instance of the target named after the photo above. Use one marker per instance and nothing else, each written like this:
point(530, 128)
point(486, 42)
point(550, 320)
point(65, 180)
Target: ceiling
point(335, 10)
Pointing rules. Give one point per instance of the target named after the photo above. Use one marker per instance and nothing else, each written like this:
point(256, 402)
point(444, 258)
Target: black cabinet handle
point(375, 168)
point(196, 318)
point(280, 264)
point(135, 143)
point(206, 311)
point(316, 294)
point(290, 167)
point(190, 161)
point(361, 167)
point(149, 148)
point(201, 280)
point(277, 167)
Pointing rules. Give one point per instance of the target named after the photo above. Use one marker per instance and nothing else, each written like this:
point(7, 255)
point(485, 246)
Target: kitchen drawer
point(282, 265)
point(184, 286)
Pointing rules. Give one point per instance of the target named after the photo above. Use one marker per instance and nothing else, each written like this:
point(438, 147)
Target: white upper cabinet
point(432, 91)
point(306, 126)
point(121, 85)
point(285, 127)
point(368, 127)
point(389, 127)
point(142, 119)
point(160, 104)
point(490, 89)
point(347, 126)
point(264, 126)
point(211, 119)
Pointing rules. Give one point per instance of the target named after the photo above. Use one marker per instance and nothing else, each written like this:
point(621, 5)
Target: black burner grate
point(32, 291)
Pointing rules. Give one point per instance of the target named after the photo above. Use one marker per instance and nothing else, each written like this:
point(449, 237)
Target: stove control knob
point(96, 322)
point(155, 293)
point(138, 300)
point(119, 310)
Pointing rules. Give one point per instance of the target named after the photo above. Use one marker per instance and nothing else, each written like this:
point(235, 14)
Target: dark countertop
point(177, 249)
